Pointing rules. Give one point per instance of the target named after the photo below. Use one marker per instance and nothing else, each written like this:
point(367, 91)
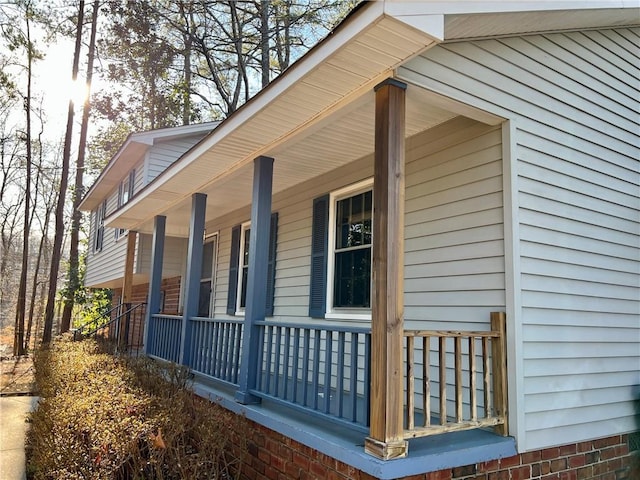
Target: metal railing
point(125, 329)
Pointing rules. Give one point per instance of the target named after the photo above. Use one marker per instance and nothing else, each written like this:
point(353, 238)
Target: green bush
point(106, 417)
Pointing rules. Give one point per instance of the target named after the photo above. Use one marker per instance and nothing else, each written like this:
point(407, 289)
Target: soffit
point(483, 25)
point(306, 107)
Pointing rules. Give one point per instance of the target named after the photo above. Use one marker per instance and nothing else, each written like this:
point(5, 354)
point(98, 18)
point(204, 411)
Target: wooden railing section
point(215, 348)
point(320, 369)
point(164, 337)
point(485, 371)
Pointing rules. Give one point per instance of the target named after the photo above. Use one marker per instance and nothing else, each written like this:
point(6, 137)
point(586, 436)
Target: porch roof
point(319, 114)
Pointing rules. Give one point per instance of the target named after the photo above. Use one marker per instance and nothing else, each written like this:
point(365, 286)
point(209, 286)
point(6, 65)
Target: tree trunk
point(64, 178)
point(264, 42)
point(18, 339)
point(74, 280)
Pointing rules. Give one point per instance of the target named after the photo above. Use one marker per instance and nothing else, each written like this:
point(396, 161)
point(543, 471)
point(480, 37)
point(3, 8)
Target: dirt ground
point(16, 373)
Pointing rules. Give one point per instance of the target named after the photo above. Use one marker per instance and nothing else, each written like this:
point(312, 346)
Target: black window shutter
point(319, 246)
point(271, 268)
point(233, 270)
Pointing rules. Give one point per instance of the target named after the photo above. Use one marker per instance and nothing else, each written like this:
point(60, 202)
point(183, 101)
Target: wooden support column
point(127, 287)
point(194, 271)
point(386, 434)
point(499, 369)
point(256, 304)
point(155, 275)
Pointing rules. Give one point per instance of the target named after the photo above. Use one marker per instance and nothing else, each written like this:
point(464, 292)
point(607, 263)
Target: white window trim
point(209, 237)
point(129, 181)
point(243, 228)
point(363, 315)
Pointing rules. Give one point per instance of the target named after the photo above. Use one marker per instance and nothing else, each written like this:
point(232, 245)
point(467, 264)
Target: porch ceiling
point(340, 138)
point(319, 114)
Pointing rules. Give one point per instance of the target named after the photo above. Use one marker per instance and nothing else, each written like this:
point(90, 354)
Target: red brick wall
point(275, 457)
point(139, 294)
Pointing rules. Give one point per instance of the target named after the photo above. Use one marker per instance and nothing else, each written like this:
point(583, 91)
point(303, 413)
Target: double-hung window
point(125, 192)
point(341, 253)
point(101, 213)
point(239, 267)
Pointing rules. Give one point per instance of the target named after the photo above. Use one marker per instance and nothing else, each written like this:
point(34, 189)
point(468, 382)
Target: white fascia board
point(433, 7)
point(146, 139)
point(363, 18)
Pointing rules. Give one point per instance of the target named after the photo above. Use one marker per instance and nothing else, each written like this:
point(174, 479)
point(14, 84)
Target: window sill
point(357, 317)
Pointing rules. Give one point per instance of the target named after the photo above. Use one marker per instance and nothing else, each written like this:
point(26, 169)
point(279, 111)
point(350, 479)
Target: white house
point(339, 259)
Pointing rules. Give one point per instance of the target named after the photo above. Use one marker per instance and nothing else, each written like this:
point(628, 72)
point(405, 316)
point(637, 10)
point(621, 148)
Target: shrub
point(106, 417)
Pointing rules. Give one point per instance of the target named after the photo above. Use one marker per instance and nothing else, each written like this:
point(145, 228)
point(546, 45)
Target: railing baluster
point(411, 389)
point(276, 361)
point(238, 352)
point(268, 359)
point(296, 356)
point(486, 377)
point(340, 373)
point(473, 400)
point(458, 377)
point(316, 368)
point(353, 376)
point(285, 369)
point(262, 334)
point(328, 351)
point(305, 366)
point(443, 380)
point(426, 380)
point(367, 377)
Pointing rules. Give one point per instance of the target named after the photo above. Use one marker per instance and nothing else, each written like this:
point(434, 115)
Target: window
point(352, 251)
point(239, 267)
point(244, 266)
point(207, 277)
point(101, 213)
point(125, 192)
point(341, 253)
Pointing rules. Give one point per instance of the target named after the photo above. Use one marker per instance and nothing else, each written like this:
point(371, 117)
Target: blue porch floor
point(427, 454)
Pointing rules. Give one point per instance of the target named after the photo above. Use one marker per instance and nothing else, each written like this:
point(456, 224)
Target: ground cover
point(107, 417)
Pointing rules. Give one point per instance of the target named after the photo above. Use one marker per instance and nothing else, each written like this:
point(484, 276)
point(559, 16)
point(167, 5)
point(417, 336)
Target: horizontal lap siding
point(163, 154)
point(454, 260)
point(575, 101)
point(107, 264)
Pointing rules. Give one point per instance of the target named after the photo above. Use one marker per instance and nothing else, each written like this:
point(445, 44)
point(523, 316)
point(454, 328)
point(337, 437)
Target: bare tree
point(73, 283)
point(59, 214)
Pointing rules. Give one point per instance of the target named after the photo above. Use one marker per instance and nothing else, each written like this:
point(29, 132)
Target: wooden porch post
point(155, 275)
point(194, 271)
point(127, 285)
point(386, 435)
point(256, 304)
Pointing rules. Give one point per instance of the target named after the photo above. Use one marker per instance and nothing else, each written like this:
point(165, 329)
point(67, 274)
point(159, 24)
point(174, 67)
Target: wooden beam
point(499, 370)
point(127, 286)
point(386, 435)
point(155, 276)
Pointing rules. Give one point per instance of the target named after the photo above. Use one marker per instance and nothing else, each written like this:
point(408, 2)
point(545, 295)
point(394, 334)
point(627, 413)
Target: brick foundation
point(273, 456)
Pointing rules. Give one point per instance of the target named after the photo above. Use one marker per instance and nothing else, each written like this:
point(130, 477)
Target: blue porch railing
point(321, 369)
point(164, 337)
point(215, 348)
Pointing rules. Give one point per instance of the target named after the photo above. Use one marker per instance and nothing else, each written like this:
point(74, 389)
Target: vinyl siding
point(107, 266)
point(163, 153)
point(574, 101)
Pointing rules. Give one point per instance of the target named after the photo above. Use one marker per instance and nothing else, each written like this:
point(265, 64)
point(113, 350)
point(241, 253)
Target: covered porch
point(374, 380)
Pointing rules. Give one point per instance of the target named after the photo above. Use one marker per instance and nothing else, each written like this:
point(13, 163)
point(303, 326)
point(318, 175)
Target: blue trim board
point(427, 454)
